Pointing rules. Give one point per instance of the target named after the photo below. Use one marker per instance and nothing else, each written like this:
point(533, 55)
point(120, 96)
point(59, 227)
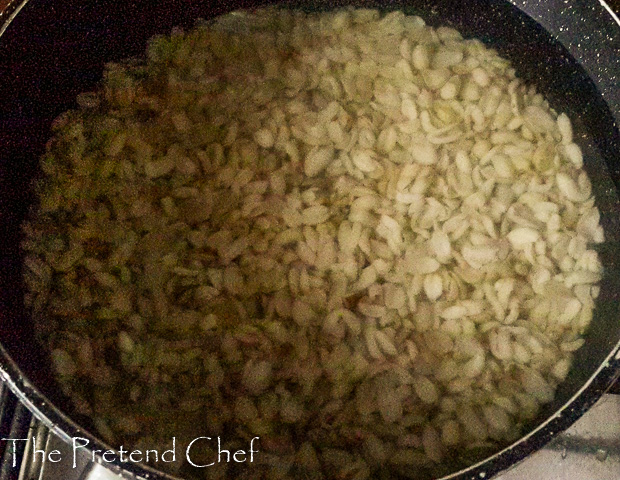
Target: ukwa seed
point(359, 237)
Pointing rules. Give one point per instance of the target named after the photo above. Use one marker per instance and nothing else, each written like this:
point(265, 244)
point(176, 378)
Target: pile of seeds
point(358, 237)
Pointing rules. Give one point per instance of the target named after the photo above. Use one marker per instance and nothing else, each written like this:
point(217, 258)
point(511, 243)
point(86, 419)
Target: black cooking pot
point(55, 49)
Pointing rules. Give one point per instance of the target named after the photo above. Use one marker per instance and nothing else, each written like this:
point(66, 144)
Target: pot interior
point(55, 49)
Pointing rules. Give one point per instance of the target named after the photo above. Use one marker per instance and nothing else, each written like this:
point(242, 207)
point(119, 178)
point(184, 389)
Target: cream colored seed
point(480, 76)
